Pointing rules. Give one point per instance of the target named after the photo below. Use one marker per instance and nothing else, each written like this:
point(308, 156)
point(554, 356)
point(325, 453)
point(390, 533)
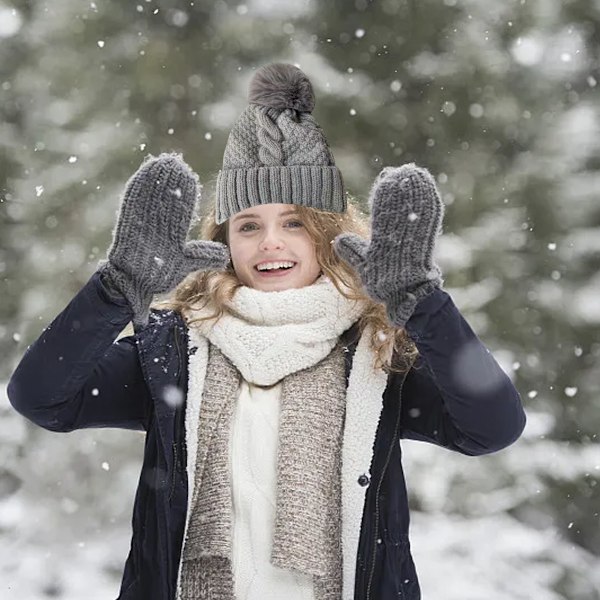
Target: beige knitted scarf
point(293, 336)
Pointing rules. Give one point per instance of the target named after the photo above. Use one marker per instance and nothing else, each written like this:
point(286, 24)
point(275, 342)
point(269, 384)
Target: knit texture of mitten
point(396, 266)
point(149, 253)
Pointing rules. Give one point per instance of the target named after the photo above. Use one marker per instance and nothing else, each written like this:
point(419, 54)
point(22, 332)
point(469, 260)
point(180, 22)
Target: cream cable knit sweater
point(253, 456)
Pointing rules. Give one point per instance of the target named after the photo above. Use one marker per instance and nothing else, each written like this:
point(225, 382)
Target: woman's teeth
point(275, 265)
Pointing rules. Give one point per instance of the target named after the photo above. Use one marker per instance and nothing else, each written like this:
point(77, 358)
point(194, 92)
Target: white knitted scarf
point(282, 332)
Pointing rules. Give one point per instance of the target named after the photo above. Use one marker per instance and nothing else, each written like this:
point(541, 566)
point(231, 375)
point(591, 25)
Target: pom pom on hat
point(281, 86)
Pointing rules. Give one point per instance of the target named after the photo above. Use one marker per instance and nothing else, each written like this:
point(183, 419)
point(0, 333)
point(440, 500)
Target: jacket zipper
point(175, 469)
point(385, 466)
point(177, 456)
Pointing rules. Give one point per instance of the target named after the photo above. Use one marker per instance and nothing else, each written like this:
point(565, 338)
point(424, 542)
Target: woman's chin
point(278, 284)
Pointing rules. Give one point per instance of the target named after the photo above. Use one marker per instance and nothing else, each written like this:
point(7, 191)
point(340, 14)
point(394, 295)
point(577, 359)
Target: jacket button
point(363, 480)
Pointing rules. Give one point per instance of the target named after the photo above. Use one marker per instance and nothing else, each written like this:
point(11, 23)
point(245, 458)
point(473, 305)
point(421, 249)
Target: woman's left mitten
point(396, 265)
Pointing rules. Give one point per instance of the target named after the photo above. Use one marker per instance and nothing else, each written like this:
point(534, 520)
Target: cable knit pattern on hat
point(269, 136)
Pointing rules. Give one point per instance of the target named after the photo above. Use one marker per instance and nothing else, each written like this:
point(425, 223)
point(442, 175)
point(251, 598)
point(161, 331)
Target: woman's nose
point(271, 240)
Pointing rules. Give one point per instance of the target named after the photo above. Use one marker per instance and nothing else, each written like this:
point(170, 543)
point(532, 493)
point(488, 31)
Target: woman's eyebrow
point(255, 216)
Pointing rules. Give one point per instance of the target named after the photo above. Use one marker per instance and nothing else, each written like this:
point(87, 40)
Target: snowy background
point(498, 99)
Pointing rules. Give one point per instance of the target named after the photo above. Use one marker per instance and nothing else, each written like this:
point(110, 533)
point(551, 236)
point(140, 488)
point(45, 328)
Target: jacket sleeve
point(75, 375)
point(456, 395)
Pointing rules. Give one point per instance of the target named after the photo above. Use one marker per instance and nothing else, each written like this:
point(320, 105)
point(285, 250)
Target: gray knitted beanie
point(276, 151)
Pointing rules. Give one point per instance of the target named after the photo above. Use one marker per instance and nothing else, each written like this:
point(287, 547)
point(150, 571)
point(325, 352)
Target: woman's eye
point(251, 226)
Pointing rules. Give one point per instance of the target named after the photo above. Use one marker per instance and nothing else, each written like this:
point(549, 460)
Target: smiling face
point(267, 236)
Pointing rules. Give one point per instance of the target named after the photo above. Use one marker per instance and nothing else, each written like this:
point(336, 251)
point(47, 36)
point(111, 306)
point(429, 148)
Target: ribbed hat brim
point(320, 187)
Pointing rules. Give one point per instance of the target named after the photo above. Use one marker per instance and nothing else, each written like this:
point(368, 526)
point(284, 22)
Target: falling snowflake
point(172, 396)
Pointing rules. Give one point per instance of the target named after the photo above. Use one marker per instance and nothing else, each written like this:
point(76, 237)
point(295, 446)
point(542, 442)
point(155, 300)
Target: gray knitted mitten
point(396, 266)
point(149, 253)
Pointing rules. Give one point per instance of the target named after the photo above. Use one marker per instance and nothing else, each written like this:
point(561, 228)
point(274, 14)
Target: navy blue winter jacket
point(75, 375)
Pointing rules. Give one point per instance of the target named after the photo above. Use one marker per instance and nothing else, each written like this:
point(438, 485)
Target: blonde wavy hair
point(392, 347)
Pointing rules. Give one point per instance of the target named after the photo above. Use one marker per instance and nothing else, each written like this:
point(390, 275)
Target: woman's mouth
point(275, 269)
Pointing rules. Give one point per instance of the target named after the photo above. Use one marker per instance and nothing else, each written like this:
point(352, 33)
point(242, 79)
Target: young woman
point(299, 345)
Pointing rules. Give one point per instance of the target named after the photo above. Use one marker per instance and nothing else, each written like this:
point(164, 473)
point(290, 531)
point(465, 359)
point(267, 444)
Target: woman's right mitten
point(149, 253)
